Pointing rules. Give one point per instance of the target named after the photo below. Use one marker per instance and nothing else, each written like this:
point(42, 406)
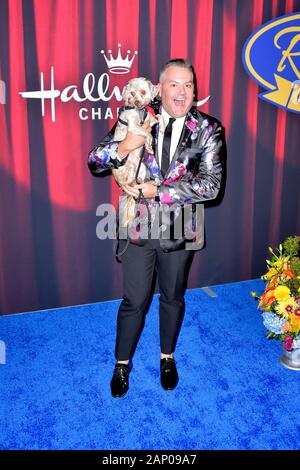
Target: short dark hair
point(176, 63)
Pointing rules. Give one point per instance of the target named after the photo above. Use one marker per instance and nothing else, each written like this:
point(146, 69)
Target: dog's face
point(139, 92)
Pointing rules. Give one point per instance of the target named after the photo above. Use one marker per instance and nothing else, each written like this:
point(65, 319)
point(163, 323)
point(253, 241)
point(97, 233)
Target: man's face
point(176, 89)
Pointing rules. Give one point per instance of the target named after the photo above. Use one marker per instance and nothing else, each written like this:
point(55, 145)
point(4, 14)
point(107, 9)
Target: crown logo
point(119, 65)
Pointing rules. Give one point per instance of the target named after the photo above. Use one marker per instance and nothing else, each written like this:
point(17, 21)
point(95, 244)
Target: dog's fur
point(137, 94)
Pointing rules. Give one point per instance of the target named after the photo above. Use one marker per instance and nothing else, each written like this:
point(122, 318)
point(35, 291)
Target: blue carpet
point(233, 392)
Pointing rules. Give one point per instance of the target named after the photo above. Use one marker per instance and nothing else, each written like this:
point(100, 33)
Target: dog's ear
point(154, 91)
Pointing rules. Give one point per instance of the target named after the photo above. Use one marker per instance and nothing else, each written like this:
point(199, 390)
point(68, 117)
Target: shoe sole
point(169, 389)
point(120, 397)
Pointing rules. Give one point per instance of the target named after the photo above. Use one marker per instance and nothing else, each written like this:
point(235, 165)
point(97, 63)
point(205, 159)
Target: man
point(187, 168)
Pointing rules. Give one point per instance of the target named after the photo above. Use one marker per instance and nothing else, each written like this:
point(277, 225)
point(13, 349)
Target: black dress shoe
point(120, 380)
point(168, 373)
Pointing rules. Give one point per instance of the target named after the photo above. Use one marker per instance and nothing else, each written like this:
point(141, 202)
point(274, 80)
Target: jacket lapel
point(186, 133)
point(183, 141)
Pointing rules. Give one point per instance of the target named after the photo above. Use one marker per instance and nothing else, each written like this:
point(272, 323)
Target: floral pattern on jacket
point(195, 172)
point(195, 176)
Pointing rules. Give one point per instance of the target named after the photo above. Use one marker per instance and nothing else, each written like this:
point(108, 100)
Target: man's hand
point(132, 141)
point(148, 189)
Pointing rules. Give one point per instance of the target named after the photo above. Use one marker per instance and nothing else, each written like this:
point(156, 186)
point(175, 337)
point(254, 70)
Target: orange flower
point(295, 323)
point(274, 281)
point(286, 327)
point(267, 297)
point(288, 274)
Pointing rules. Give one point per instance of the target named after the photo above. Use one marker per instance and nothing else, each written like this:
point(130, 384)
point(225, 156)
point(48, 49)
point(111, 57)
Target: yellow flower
point(286, 307)
point(271, 273)
point(282, 293)
point(279, 263)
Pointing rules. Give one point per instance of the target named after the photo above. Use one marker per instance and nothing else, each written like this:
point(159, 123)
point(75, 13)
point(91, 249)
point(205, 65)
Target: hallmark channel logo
point(271, 56)
point(93, 89)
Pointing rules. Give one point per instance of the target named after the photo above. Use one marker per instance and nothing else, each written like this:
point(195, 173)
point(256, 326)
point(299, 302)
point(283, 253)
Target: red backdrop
point(49, 252)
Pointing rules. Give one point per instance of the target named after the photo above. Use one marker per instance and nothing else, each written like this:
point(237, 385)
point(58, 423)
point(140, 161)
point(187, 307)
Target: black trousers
point(139, 264)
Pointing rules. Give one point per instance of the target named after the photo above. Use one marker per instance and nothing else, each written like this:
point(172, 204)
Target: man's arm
point(106, 156)
point(110, 154)
point(205, 184)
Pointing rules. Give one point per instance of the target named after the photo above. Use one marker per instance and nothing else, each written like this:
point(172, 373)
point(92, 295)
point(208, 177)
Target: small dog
point(137, 94)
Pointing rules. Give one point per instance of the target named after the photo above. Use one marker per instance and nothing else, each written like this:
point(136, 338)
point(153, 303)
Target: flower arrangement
point(280, 301)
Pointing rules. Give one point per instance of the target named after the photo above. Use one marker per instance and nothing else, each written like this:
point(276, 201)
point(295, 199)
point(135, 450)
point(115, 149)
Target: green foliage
point(271, 335)
point(292, 246)
point(295, 265)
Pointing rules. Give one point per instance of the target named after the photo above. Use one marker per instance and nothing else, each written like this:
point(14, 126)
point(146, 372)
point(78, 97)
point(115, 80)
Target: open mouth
point(179, 102)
